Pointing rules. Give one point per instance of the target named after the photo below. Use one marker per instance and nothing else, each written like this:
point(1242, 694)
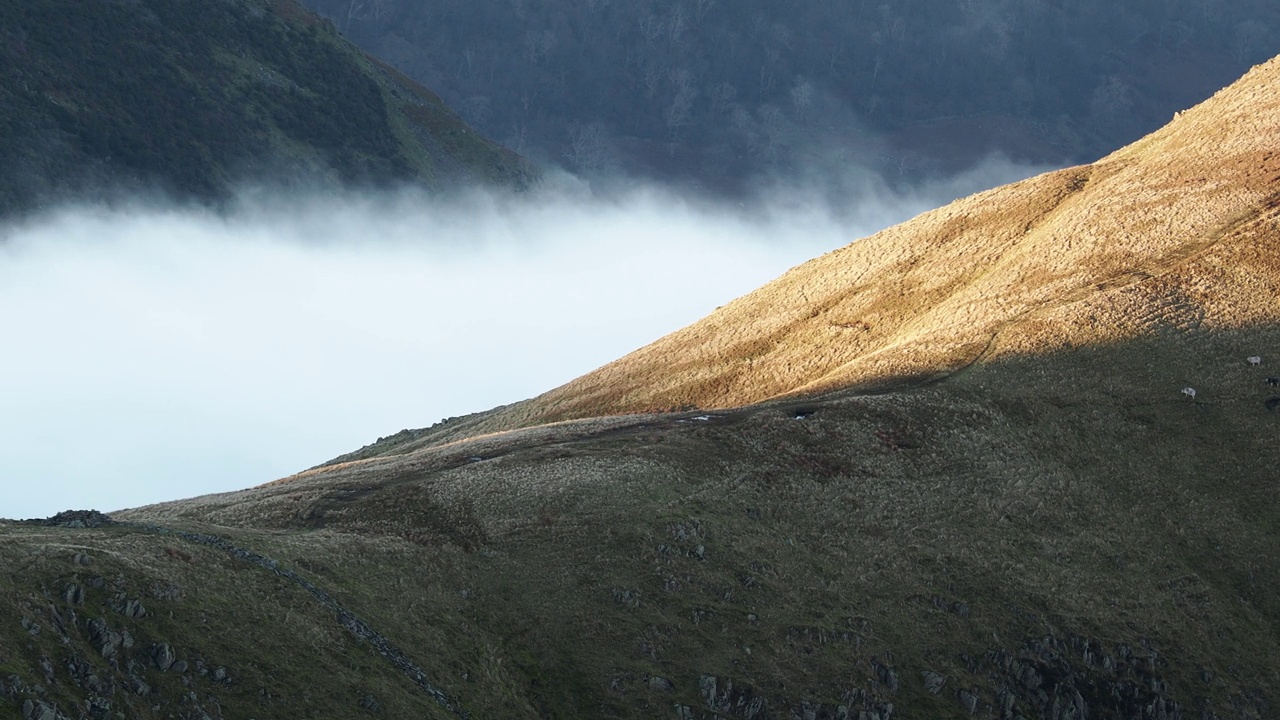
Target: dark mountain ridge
point(190, 100)
point(713, 93)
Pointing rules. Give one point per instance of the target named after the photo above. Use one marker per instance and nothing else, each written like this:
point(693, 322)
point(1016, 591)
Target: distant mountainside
point(713, 92)
point(191, 98)
point(1015, 458)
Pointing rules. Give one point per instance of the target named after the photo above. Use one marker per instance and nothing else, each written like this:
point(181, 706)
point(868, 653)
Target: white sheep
point(1189, 392)
point(1254, 360)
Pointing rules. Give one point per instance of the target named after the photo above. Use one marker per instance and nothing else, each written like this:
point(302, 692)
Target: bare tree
point(355, 10)
point(469, 61)
point(767, 81)
point(652, 79)
point(676, 24)
point(802, 98)
point(722, 98)
point(650, 28)
point(518, 138)
point(681, 107)
point(537, 45)
point(588, 147)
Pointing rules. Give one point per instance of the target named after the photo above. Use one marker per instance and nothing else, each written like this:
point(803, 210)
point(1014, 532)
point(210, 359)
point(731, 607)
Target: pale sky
point(153, 354)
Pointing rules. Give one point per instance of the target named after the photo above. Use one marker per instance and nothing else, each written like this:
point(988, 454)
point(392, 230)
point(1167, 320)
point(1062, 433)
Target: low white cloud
point(152, 354)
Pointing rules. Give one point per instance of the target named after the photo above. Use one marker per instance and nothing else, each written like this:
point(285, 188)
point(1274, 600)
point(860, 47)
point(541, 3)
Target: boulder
point(933, 681)
point(164, 656)
point(661, 684)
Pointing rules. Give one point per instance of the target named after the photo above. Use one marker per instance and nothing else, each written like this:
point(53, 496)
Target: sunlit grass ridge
point(934, 294)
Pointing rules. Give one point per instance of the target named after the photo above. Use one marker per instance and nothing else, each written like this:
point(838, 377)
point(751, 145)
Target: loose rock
point(969, 701)
point(74, 595)
point(164, 656)
point(933, 681)
point(661, 684)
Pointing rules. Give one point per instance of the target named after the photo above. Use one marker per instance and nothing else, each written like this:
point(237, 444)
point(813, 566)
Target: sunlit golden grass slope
point(1176, 229)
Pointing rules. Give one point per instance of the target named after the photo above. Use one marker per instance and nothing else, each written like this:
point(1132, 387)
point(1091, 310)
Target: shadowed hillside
point(191, 99)
point(715, 93)
point(1013, 459)
point(1035, 529)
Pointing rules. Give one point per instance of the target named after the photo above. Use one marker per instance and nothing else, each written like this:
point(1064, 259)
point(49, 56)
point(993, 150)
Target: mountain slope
point(191, 99)
point(715, 93)
point(1003, 505)
point(1078, 256)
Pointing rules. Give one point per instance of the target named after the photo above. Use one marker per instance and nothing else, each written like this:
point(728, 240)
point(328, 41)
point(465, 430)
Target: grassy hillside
point(1007, 508)
point(190, 99)
point(1174, 234)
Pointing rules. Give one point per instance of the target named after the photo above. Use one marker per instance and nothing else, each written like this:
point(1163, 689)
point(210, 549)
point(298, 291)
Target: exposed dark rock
point(179, 666)
point(887, 676)
point(163, 655)
point(166, 591)
point(933, 681)
point(99, 707)
point(73, 595)
point(625, 597)
point(969, 701)
point(707, 690)
point(40, 710)
point(76, 519)
point(1273, 404)
point(661, 684)
point(105, 640)
point(138, 686)
point(134, 609)
point(370, 703)
point(83, 559)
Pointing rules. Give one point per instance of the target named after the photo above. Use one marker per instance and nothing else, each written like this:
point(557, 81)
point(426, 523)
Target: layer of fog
point(156, 353)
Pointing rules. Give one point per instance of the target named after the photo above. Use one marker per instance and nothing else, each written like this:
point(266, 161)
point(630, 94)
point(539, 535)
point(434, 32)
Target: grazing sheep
point(1273, 404)
point(1273, 381)
point(1189, 392)
point(1255, 360)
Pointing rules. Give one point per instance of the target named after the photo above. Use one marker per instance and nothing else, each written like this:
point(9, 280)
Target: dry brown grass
point(928, 297)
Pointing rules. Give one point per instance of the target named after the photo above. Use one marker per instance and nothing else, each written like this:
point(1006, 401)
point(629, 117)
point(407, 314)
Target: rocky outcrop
point(76, 519)
point(114, 645)
point(346, 618)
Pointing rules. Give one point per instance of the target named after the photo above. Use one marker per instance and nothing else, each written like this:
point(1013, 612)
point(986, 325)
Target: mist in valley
point(155, 352)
